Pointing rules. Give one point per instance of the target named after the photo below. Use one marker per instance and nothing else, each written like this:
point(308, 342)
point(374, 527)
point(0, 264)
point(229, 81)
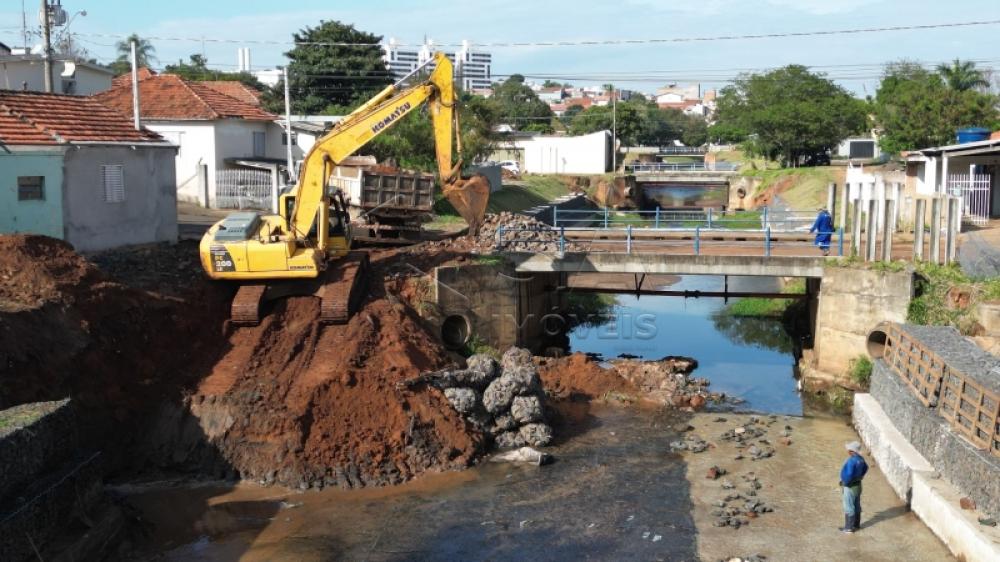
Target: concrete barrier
point(890, 450)
point(936, 503)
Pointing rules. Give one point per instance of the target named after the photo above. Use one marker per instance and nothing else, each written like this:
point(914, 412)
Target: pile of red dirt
point(299, 404)
point(578, 377)
point(69, 330)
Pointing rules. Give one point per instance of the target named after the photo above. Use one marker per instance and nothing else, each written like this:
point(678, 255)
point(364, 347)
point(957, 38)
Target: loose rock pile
point(504, 401)
point(523, 234)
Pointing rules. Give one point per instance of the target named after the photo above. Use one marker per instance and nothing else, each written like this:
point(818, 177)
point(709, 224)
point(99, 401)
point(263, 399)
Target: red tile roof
point(234, 89)
point(126, 79)
point(171, 98)
point(37, 118)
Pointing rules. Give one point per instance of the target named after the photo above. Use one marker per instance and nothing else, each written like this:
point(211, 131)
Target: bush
point(861, 371)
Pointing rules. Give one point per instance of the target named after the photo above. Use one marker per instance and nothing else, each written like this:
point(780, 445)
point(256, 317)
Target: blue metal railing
point(526, 238)
point(654, 167)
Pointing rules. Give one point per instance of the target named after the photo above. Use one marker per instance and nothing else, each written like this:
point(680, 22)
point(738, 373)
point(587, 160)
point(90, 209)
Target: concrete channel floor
point(800, 482)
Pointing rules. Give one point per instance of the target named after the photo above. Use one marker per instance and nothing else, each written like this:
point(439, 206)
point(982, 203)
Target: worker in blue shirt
point(823, 227)
point(851, 474)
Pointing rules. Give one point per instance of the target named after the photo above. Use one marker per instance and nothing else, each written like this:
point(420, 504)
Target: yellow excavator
point(306, 248)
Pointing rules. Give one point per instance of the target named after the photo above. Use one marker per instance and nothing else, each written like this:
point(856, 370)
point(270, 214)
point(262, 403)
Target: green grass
point(20, 417)
point(753, 307)
point(808, 188)
point(861, 371)
point(530, 191)
point(931, 306)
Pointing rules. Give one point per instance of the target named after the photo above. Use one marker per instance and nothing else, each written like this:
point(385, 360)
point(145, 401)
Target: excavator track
point(344, 288)
point(245, 310)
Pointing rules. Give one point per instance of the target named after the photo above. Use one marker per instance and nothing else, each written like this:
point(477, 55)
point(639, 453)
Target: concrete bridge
point(611, 262)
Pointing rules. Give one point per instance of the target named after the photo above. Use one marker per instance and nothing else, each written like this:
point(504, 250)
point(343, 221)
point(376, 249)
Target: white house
point(219, 127)
point(548, 154)
point(74, 169)
point(27, 72)
point(968, 170)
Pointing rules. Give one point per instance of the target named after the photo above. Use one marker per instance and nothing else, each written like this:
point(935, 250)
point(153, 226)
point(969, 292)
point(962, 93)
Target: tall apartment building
point(472, 66)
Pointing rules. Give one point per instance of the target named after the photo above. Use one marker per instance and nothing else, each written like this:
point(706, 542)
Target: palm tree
point(962, 76)
point(145, 52)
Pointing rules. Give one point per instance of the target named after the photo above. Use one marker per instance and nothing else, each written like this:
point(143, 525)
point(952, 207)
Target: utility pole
point(288, 128)
point(135, 89)
point(614, 130)
point(47, 56)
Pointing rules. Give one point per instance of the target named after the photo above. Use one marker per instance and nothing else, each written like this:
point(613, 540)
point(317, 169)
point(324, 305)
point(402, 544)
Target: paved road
point(979, 253)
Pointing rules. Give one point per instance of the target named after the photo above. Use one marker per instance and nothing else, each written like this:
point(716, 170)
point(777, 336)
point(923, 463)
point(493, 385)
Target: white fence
point(243, 189)
point(975, 193)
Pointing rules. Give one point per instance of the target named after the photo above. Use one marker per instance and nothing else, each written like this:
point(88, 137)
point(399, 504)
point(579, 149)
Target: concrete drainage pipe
point(876, 341)
point(455, 331)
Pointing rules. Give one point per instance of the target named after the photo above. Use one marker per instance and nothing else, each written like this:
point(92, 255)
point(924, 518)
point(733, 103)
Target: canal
point(615, 491)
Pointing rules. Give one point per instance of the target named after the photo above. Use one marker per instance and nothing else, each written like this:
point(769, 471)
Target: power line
point(574, 43)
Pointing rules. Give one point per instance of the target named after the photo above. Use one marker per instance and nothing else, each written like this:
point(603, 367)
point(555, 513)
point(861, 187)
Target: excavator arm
point(373, 118)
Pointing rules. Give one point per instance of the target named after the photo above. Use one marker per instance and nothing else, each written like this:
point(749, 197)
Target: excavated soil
point(580, 378)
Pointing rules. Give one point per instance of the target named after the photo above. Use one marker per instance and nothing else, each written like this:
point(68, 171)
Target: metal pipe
point(135, 90)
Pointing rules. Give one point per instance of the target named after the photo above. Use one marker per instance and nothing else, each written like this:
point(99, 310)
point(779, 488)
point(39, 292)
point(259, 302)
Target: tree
point(790, 112)
point(962, 76)
point(517, 105)
point(145, 52)
point(551, 84)
point(916, 108)
point(410, 142)
point(325, 75)
point(197, 69)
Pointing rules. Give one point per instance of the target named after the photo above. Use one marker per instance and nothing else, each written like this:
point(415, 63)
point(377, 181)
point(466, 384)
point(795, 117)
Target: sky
point(854, 61)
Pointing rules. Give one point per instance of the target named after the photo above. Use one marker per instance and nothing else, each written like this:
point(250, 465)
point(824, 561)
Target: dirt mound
point(300, 404)
point(69, 330)
point(38, 269)
point(510, 232)
point(578, 377)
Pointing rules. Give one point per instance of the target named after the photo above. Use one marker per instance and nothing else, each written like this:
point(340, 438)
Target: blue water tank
point(973, 134)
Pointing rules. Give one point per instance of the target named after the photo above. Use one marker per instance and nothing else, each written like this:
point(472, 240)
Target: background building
point(472, 66)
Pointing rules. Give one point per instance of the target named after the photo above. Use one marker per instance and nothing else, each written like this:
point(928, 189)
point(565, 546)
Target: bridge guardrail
point(695, 239)
point(778, 221)
point(654, 167)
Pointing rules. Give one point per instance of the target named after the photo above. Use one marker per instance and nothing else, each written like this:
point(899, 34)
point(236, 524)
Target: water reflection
point(749, 358)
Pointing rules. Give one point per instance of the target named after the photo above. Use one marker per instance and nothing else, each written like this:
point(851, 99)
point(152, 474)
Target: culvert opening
point(876, 344)
point(455, 331)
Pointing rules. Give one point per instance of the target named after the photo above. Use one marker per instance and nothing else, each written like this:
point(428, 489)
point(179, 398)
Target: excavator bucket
point(469, 197)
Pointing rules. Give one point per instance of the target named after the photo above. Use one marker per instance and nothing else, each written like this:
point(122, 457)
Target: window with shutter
point(30, 188)
point(114, 183)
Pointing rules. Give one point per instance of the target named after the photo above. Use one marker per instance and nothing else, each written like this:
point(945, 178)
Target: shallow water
point(614, 491)
point(749, 358)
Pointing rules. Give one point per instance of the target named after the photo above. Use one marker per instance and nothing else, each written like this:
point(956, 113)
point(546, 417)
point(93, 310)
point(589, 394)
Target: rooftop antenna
point(24, 25)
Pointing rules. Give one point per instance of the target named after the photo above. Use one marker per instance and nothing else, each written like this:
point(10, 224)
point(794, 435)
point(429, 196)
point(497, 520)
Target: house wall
point(234, 139)
point(586, 154)
point(196, 141)
point(15, 73)
point(149, 211)
point(38, 217)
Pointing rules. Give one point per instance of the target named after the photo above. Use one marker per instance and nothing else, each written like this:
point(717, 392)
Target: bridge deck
point(660, 263)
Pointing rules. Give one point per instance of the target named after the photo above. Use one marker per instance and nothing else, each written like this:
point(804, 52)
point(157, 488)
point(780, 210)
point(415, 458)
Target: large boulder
point(499, 394)
point(515, 357)
point(526, 409)
point(510, 440)
point(485, 364)
point(525, 379)
point(502, 423)
point(464, 400)
point(536, 434)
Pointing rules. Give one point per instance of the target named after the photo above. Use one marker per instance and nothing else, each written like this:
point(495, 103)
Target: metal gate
point(243, 189)
point(975, 192)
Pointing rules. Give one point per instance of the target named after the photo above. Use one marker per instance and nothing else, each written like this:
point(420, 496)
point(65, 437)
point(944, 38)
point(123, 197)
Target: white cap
point(854, 447)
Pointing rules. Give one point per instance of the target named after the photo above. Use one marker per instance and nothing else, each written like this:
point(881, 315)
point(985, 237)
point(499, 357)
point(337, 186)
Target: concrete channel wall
point(852, 302)
point(926, 461)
